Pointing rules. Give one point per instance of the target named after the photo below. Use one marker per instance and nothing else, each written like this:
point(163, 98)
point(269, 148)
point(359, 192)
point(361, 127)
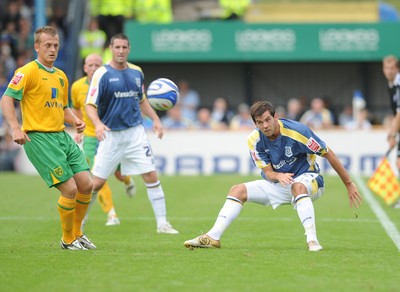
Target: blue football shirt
point(294, 151)
point(117, 95)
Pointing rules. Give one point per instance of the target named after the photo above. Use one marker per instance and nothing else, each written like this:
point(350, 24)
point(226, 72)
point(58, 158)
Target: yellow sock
point(66, 208)
point(127, 180)
point(82, 204)
point(105, 198)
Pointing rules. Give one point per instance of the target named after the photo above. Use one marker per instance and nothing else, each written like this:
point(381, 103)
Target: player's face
point(92, 63)
point(120, 50)
point(390, 70)
point(268, 124)
point(47, 49)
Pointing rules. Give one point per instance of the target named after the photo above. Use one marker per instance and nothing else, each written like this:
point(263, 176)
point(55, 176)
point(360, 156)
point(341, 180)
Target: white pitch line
point(387, 224)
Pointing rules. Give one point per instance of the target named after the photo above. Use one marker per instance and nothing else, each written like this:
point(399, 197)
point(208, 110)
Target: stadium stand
point(313, 12)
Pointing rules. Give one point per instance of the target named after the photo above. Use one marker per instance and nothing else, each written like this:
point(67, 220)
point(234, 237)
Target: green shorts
point(55, 156)
point(89, 148)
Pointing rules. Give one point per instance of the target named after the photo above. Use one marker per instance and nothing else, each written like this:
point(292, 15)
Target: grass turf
point(263, 250)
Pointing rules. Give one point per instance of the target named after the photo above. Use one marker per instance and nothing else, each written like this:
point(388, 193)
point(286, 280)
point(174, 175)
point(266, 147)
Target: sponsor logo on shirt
point(313, 145)
point(115, 79)
point(124, 94)
point(17, 78)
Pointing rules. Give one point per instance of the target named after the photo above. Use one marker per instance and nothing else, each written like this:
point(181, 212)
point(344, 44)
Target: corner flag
point(384, 183)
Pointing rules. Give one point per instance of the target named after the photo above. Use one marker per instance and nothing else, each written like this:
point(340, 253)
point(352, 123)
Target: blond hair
point(51, 30)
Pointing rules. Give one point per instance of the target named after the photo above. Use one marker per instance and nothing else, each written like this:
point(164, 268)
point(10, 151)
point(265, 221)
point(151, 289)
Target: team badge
point(17, 78)
point(59, 171)
point(288, 151)
point(138, 83)
point(61, 81)
point(313, 145)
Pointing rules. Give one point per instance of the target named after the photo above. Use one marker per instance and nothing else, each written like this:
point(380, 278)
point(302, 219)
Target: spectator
point(92, 39)
point(220, 114)
point(361, 123)
point(174, 119)
point(111, 15)
point(233, 10)
point(155, 11)
point(346, 116)
point(294, 109)
point(242, 120)
point(204, 121)
point(318, 117)
point(189, 100)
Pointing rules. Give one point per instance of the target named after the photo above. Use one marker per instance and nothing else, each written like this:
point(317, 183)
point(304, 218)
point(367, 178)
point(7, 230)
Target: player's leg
point(107, 159)
point(53, 166)
point(106, 203)
point(237, 196)
point(129, 183)
point(66, 209)
point(258, 192)
point(156, 197)
point(80, 168)
point(305, 188)
point(139, 159)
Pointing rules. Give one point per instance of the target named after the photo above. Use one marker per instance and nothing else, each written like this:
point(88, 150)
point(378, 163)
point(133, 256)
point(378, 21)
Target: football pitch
point(263, 250)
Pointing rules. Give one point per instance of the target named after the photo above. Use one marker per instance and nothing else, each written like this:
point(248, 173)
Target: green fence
point(241, 42)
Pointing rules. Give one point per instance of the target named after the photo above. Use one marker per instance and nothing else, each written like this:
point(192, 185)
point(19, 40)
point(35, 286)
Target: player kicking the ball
point(285, 150)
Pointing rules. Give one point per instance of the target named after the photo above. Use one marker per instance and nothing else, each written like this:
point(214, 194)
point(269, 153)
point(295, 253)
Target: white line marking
point(387, 224)
point(149, 218)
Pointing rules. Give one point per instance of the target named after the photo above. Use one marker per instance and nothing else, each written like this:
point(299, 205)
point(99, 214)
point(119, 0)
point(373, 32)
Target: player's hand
point(20, 137)
point(101, 131)
point(78, 138)
point(354, 196)
point(80, 126)
point(285, 178)
point(158, 128)
point(391, 138)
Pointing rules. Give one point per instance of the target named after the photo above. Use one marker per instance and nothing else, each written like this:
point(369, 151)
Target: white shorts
point(274, 194)
point(130, 148)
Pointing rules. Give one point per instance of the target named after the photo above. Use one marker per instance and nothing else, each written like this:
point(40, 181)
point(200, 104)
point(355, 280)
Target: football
point(162, 94)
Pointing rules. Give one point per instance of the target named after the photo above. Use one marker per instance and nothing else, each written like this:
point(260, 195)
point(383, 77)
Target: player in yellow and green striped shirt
point(42, 90)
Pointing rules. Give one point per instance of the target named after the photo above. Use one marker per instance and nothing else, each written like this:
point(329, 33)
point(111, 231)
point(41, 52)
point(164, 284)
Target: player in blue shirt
point(114, 103)
point(286, 151)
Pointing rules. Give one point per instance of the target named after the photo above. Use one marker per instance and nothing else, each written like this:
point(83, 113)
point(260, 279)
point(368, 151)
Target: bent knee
point(239, 192)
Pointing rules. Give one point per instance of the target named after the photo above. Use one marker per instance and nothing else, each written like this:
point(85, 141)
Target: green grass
point(263, 250)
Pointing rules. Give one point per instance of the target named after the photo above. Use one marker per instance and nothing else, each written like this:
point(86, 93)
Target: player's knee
point(239, 192)
point(298, 188)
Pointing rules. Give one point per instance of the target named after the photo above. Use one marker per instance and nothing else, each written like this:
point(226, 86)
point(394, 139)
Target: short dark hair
point(119, 36)
point(259, 108)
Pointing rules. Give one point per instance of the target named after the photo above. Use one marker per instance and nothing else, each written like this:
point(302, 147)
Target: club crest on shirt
point(138, 82)
point(313, 145)
point(58, 171)
point(288, 151)
point(17, 78)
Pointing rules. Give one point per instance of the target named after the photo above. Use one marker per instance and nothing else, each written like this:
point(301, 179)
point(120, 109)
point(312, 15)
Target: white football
point(162, 94)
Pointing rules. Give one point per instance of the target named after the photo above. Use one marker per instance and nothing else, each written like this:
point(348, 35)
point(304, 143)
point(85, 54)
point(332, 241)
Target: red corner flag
point(384, 182)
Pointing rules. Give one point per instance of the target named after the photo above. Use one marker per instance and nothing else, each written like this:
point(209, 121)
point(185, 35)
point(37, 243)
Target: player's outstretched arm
point(352, 191)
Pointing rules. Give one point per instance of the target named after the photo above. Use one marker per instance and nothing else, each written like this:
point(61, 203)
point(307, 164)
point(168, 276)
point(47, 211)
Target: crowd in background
point(107, 18)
